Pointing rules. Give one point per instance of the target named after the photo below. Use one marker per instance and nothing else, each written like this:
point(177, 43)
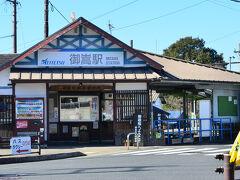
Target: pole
point(14, 26)
point(46, 19)
point(228, 168)
point(230, 63)
point(15, 3)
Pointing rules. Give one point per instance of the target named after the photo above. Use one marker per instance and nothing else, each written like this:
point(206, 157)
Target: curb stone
point(12, 160)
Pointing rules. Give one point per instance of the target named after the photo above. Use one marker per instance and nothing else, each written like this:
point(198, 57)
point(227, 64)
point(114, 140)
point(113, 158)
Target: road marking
point(218, 150)
point(189, 151)
point(214, 154)
point(230, 145)
point(143, 151)
point(180, 151)
point(166, 151)
point(187, 154)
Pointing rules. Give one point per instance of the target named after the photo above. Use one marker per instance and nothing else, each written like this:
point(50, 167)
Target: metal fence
point(212, 128)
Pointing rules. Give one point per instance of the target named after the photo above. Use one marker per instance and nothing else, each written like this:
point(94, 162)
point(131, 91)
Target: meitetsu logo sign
point(79, 58)
point(47, 62)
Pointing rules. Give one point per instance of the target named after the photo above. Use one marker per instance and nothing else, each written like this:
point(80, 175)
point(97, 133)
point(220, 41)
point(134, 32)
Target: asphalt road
point(166, 163)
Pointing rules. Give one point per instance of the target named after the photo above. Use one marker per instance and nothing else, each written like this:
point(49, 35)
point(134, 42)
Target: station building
point(82, 84)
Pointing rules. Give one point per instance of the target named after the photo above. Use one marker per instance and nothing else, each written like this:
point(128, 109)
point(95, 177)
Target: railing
point(204, 127)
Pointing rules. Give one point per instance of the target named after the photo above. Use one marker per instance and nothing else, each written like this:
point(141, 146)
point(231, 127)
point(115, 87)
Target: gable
point(81, 47)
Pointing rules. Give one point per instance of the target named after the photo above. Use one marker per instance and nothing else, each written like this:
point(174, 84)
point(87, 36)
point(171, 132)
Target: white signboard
point(20, 145)
point(58, 58)
point(205, 112)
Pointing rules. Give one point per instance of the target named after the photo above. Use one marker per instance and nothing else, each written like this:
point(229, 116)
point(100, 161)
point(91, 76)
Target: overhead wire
point(111, 11)
point(2, 37)
point(99, 16)
point(225, 36)
point(219, 4)
point(164, 15)
point(54, 7)
point(229, 34)
point(21, 27)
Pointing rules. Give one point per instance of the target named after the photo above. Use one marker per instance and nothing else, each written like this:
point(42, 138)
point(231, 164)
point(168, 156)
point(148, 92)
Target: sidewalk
point(60, 152)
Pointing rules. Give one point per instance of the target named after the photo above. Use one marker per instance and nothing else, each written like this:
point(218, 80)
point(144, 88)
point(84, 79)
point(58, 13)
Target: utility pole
point(46, 2)
point(15, 3)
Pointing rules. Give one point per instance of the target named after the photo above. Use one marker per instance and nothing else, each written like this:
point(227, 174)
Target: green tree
point(193, 49)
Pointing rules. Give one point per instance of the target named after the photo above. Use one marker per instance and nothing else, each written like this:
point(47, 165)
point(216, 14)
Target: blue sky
point(216, 21)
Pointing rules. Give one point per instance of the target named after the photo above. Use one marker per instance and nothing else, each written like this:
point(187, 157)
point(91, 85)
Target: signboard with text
point(73, 58)
point(20, 145)
point(137, 123)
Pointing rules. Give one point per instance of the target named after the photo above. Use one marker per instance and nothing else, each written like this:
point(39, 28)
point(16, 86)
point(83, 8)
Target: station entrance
point(81, 113)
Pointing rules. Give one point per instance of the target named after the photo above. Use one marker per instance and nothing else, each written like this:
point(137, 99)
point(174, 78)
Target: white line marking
point(211, 154)
point(135, 152)
point(195, 150)
point(187, 154)
point(161, 152)
point(230, 145)
point(219, 150)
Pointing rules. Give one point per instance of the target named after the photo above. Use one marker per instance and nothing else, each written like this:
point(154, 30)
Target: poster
point(29, 109)
point(53, 128)
point(65, 129)
point(95, 125)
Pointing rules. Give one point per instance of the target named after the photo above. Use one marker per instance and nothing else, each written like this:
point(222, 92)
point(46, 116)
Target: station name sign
point(51, 58)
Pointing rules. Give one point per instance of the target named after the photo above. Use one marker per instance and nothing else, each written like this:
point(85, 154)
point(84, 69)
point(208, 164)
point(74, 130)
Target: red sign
point(22, 124)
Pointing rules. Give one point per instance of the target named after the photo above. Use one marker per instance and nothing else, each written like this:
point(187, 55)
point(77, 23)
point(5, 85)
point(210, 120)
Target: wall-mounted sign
point(62, 58)
point(137, 123)
point(21, 124)
point(53, 128)
point(20, 145)
point(29, 109)
point(95, 125)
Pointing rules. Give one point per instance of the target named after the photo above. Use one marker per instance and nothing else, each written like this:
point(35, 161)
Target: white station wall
point(33, 90)
point(4, 81)
point(131, 86)
point(225, 92)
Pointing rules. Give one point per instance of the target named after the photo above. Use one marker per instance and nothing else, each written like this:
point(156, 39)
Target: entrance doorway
point(80, 116)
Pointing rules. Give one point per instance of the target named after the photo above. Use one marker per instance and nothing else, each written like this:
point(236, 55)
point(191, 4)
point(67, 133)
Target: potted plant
point(126, 141)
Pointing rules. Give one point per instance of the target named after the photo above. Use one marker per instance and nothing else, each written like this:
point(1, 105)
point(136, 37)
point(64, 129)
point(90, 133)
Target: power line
point(125, 5)
point(6, 36)
point(20, 45)
point(164, 15)
point(52, 6)
point(224, 36)
point(217, 3)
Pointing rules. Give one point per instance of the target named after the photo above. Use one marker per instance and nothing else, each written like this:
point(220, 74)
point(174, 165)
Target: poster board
point(227, 106)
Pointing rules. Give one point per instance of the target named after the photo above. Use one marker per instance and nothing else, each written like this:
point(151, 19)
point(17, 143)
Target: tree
point(193, 49)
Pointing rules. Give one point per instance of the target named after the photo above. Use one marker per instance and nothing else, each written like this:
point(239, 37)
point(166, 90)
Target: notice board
point(227, 106)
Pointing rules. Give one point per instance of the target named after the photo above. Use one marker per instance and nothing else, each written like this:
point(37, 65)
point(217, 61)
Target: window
point(79, 108)
point(131, 102)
